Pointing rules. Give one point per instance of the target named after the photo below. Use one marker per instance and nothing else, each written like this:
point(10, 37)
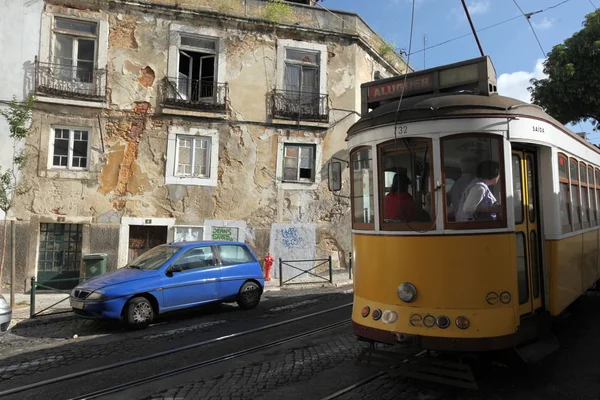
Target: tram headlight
point(407, 292)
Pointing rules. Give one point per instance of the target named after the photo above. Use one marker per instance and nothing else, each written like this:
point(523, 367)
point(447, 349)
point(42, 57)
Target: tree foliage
point(18, 116)
point(571, 91)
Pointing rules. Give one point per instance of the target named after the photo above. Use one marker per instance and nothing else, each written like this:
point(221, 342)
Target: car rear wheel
point(138, 313)
point(249, 295)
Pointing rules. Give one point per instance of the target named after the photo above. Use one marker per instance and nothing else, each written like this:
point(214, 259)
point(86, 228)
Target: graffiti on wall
point(290, 237)
point(222, 233)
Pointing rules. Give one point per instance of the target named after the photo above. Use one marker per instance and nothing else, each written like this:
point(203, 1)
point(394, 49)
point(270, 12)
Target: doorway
point(526, 195)
point(144, 237)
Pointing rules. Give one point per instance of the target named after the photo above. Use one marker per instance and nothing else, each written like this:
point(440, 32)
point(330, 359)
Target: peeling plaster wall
point(128, 157)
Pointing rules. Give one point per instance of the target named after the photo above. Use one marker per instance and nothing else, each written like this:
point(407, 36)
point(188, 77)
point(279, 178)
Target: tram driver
point(477, 201)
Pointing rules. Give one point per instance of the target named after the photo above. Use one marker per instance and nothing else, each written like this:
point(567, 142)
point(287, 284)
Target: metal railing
point(70, 82)
point(308, 272)
point(195, 94)
point(44, 285)
point(288, 104)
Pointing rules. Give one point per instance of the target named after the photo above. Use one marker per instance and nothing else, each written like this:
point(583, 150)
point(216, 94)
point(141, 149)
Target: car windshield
point(154, 258)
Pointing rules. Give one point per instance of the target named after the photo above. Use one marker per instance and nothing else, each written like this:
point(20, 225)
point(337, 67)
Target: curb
point(308, 286)
point(42, 320)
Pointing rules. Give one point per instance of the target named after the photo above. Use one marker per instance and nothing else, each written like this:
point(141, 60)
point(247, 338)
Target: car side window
point(234, 254)
point(200, 257)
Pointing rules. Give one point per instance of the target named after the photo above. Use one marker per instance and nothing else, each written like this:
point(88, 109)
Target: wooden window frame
point(502, 181)
point(575, 225)
point(356, 225)
point(405, 226)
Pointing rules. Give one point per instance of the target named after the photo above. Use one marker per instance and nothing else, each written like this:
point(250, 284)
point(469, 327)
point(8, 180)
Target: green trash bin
point(95, 264)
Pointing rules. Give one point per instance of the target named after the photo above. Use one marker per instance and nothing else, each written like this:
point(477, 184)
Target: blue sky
point(512, 46)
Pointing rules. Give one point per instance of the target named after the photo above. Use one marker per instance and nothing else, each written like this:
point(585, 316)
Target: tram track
point(114, 366)
point(348, 389)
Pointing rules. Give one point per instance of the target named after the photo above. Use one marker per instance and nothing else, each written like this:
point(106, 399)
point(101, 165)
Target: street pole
point(13, 267)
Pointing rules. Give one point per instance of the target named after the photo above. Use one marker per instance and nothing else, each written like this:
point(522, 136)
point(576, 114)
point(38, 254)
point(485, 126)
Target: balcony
point(300, 106)
point(66, 81)
point(193, 94)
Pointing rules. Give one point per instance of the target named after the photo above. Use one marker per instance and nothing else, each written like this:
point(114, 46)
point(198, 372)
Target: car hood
point(117, 277)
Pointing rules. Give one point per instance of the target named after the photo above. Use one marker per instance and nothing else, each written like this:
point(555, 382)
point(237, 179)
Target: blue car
point(171, 277)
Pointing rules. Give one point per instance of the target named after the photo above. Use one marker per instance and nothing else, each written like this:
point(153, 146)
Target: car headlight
point(73, 291)
point(96, 296)
point(3, 303)
point(407, 292)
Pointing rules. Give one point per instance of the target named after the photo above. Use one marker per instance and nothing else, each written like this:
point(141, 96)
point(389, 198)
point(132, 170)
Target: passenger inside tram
point(477, 201)
point(407, 181)
point(399, 204)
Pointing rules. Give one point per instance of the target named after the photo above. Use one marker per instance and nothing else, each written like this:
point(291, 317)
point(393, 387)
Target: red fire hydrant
point(268, 265)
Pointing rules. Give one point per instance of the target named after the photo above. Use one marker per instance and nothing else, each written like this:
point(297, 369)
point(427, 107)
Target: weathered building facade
point(166, 120)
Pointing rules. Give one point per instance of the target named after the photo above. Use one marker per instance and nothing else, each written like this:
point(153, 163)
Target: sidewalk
point(21, 311)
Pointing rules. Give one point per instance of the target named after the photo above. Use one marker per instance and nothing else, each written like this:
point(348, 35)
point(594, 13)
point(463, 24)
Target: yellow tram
point(429, 269)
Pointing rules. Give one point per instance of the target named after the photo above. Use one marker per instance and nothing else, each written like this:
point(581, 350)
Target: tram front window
point(405, 175)
point(476, 198)
point(363, 204)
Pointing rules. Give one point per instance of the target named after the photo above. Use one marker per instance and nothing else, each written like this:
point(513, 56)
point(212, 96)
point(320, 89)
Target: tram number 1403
point(538, 129)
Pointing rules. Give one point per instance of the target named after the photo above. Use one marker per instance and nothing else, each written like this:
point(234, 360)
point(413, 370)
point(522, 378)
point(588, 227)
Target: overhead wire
point(527, 17)
point(489, 27)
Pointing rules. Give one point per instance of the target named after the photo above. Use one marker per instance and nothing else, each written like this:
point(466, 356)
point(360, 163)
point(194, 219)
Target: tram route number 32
point(402, 129)
point(538, 129)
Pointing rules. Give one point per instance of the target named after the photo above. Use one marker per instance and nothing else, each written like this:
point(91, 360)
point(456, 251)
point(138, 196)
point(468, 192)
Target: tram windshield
point(407, 182)
point(475, 165)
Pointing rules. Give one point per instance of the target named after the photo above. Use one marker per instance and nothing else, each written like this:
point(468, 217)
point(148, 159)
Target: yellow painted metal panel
point(564, 264)
point(590, 259)
point(448, 271)
point(490, 322)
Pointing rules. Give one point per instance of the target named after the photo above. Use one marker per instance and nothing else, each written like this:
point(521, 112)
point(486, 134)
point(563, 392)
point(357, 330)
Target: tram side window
point(597, 175)
point(407, 182)
point(585, 205)
point(476, 199)
point(565, 204)
point(575, 197)
point(592, 187)
point(363, 202)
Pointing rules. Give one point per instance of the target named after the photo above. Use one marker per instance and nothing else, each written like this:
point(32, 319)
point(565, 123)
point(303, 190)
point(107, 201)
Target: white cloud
point(515, 84)
point(478, 6)
point(543, 24)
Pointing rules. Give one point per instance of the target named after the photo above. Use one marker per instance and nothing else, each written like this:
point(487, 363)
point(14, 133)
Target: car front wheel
point(249, 295)
point(138, 313)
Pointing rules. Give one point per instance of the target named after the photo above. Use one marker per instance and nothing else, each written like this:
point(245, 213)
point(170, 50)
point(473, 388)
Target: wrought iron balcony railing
point(69, 82)
point(303, 106)
point(195, 94)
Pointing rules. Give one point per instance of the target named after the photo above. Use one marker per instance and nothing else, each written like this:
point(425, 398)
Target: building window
point(70, 148)
point(301, 89)
point(406, 184)
point(72, 70)
point(597, 176)
point(363, 202)
point(564, 196)
point(193, 157)
point(298, 162)
point(75, 49)
point(195, 84)
point(476, 200)
point(188, 233)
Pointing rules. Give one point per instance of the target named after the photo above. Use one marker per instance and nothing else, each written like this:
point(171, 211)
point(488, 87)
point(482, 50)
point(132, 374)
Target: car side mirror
point(335, 176)
point(174, 268)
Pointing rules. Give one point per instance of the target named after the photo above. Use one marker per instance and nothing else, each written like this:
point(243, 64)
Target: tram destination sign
point(392, 89)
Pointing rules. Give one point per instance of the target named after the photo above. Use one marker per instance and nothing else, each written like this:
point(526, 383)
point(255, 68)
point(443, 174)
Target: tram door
point(529, 270)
